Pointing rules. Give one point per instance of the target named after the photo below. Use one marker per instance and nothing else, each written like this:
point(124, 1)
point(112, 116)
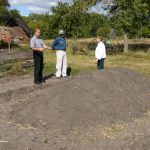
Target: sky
point(34, 6)
point(38, 6)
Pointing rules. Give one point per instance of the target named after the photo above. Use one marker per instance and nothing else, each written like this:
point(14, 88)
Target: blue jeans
point(100, 64)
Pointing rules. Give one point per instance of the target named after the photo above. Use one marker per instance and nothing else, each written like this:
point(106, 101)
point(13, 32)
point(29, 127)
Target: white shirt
point(100, 51)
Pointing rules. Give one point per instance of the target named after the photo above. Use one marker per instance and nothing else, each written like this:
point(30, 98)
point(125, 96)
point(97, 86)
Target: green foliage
point(131, 16)
point(74, 19)
point(15, 13)
point(4, 12)
point(4, 3)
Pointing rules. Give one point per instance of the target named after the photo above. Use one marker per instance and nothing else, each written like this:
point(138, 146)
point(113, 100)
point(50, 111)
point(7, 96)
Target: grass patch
point(138, 61)
point(79, 63)
point(76, 63)
point(16, 69)
point(114, 130)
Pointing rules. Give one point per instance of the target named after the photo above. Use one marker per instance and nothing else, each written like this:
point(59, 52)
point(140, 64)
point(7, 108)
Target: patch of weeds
point(17, 69)
point(112, 131)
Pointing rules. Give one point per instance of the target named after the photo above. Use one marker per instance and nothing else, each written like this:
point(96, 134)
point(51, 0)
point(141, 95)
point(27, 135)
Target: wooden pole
point(125, 43)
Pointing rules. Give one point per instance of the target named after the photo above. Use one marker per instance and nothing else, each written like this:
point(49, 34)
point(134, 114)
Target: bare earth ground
point(14, 56)
point(107, 110)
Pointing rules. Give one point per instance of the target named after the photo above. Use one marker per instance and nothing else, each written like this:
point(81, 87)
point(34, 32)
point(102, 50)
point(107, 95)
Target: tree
point(75, 19)
point(4, 3)
point(15, 13)
point(4, 12)
point(130, 16)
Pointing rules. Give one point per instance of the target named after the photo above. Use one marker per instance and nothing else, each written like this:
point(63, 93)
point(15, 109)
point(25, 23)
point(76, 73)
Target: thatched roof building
point(18, 22)
point(15, 29)
point(12, 33)
point(5, 34)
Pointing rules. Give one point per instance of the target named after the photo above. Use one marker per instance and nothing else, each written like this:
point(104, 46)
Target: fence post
point(125, 43)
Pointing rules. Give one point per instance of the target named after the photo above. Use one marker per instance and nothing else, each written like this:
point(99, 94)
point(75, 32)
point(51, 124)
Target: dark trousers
point(38, 66)
point(100, 64)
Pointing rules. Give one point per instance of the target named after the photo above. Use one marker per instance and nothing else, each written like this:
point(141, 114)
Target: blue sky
point(40, 6)
point(34, 6)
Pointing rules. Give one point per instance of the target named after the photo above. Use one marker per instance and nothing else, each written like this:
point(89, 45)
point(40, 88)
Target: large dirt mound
point(104, 97)
point(78, 110)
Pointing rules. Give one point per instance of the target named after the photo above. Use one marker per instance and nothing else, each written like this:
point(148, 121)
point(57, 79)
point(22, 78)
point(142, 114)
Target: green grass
point(78, 63)
point(138, 61)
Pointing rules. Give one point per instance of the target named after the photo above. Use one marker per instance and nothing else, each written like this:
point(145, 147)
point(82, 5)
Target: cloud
point(37, 10)
point(36, 6)
point(33, 2)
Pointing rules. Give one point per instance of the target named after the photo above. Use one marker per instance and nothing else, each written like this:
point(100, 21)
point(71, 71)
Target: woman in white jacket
point(100, 53)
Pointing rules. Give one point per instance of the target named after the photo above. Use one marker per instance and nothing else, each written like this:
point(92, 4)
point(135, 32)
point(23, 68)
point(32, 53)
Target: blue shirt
point(59, 44)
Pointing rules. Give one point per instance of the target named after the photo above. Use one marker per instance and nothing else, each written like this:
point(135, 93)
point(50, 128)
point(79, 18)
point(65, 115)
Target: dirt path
point(107, 110)
point(12, 85)
point(14, 57)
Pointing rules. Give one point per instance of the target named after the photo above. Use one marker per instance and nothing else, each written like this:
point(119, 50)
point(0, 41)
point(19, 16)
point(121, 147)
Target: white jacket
point(100, 51)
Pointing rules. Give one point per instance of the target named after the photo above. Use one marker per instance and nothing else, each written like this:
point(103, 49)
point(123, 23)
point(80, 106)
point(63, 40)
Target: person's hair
point(36, 29)
point(100, 37)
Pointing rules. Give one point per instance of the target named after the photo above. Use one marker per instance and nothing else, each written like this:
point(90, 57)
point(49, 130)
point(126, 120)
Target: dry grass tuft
point(114, 130)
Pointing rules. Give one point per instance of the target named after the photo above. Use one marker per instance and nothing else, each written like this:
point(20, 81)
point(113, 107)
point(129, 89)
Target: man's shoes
point(43, 81)
point(37, 82)
point(64, 77)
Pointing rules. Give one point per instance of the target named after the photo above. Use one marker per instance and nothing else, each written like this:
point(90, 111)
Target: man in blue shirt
point(60, 46)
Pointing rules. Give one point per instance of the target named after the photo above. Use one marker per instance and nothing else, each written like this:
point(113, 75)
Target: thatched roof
point(18, 33)
point(18, 22)
point(5, 34)
point(8, 33)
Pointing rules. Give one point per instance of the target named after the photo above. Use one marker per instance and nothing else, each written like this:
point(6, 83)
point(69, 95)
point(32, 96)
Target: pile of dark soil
point(92, 111)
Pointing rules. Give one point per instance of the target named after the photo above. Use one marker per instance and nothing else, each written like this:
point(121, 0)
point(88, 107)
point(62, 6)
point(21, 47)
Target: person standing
point(60, 46)
point(100, 53)
point(37, 45)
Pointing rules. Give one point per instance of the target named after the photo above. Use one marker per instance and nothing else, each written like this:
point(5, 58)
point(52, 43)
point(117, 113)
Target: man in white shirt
point(100, 53)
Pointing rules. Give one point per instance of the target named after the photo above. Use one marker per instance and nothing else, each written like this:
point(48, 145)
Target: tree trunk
point(125, 43)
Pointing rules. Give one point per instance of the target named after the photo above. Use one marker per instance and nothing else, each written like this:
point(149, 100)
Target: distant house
point(4, 34)
point(15, 29)
point(8, 34)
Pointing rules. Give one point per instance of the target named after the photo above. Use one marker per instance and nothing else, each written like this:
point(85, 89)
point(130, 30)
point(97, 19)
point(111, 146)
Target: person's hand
point(41, 49)
point(49, 48)
point(96, 60)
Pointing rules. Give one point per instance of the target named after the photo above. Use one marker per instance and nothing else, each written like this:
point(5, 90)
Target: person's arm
point(44, 45)
point(37, 49)
point(99, 52)
point(96, 53)
point(54, 44)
